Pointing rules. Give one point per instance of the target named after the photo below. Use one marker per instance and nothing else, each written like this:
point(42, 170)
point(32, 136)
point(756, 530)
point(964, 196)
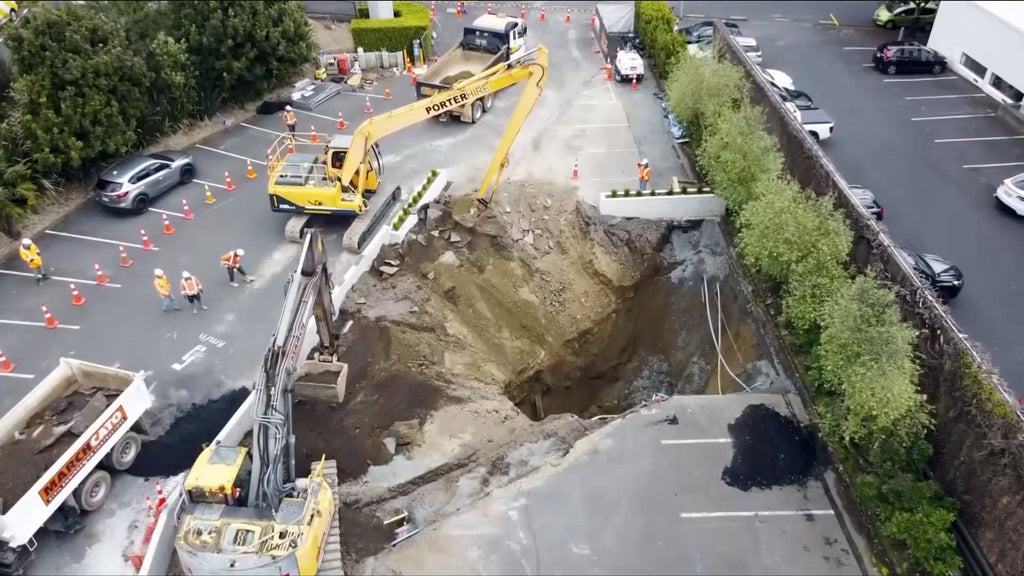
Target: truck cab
point(628, 65)
point(495, 30)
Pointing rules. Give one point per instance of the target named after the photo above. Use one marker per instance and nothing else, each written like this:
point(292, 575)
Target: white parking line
point(168, 212)
point(993, 165)
point(317, 115)
point(700, 441)
point(979, 139)
point(763, 513)
point(950, 96)
point(952, 117)
point(359, 94)
point(867, 65)
point(40, 324)
point(232, 154)
point(920, 79)
point(205, 183)
point(268, 132)
point(599, 126)
point(857, 48)
point(16, 375)
point(609, 150)
point(95, 239)
point(61, 278)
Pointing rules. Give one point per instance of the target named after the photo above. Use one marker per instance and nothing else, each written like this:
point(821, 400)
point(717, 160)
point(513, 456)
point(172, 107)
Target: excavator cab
point(220, 475)
point(338, 148)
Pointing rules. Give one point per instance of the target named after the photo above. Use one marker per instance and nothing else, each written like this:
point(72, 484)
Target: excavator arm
point(489, 81)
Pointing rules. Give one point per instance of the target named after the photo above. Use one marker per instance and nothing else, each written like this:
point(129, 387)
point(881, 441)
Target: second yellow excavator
point(343, 177)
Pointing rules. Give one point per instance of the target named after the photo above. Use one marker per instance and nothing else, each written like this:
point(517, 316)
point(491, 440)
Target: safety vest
point(191, 286)
point(289, 118)
point(162, 285)
point(31, 256)
point(645, 173)
point(231, 260)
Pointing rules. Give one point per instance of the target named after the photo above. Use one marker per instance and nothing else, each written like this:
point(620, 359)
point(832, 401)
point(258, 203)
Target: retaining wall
point(979, 456)
point(161, 547)
point(662, 206)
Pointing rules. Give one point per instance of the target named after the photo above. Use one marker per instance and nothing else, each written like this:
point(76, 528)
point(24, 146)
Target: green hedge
point(857, 352)
point(411, 22)
point(655, 22)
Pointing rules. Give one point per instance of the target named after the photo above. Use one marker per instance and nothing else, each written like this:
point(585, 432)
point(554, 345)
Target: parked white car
point(1011, 194)
point(702, 49)
point(778, 77)
point(750, 48)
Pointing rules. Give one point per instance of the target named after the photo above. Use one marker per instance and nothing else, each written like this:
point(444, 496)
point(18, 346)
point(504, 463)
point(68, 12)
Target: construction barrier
point(680, 205)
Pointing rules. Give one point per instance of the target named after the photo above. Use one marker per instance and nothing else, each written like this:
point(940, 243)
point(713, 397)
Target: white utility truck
point(628, 65)
point(58, 446)
point(490, 40)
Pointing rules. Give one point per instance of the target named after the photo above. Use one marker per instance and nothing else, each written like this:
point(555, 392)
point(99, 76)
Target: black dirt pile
point(770, 449)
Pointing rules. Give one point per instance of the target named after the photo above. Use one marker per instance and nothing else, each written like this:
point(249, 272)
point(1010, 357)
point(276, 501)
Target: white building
point(984, 42)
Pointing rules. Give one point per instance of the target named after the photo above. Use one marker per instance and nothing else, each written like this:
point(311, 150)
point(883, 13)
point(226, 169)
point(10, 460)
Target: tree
point(699, 89)
point(737, 154)
point(240, 50)
point(18, 192)
point(785, 227)
point(81, 102)
point(812, 285)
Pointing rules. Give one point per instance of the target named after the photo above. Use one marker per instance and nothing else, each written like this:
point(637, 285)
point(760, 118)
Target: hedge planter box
point(662, 205)
point(425, 193)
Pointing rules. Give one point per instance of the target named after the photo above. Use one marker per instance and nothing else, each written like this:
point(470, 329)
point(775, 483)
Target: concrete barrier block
point(663, 207)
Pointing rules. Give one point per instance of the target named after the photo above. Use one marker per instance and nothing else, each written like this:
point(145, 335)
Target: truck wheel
point(94, 491)
point(488, 102)
point(618, 76)
point(476, 111)
point(123, 454)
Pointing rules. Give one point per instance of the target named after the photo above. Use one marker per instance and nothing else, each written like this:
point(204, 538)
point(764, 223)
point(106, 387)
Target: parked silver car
point(134, 182)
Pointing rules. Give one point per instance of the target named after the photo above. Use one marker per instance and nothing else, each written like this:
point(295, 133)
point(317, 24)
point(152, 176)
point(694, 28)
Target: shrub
point(411, 22)
point(397, 225)
point(737, 154)
point(615, 193)
point(625, 192)
point(655, 22)
point(699, 89)
point(19, 193)
point(785, 227)
point(434, 173)
point(811, 286)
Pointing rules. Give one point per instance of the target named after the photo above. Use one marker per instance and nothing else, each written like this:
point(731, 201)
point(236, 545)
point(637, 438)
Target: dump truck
point(58, 446)
point(491, 39)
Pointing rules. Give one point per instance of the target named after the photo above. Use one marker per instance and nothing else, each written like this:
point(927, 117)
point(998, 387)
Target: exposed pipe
point(706, 296)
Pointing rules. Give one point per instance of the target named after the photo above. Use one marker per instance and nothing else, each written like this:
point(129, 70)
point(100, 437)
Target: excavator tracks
point(366, 224)
point(330, 564)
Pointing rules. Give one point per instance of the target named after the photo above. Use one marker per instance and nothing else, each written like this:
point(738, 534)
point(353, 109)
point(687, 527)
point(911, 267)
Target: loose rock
point(388, 270)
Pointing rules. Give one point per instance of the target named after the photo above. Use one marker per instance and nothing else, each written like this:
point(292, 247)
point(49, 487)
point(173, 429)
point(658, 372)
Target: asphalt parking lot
point(933, 151)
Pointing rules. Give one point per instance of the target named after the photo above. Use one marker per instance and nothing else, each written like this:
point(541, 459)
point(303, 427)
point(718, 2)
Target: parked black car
point(907, 57)
point(703, 30)
point(868, 201)
point(942, 274)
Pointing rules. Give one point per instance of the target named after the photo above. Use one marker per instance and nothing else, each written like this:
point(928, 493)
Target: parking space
point(933, 151)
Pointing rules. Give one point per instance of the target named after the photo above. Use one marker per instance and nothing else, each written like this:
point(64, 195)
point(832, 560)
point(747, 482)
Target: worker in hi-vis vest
point(645, 173)
point(29, 252)
point(233, 261)
point(163, 289)
point(192, 290)
point(289, 118)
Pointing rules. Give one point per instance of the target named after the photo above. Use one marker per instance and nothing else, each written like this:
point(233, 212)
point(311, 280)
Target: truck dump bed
point(58, 433)
point(457, 64)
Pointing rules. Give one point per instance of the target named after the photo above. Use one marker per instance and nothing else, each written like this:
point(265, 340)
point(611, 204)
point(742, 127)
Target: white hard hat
point(26, 241)
point(240, 252)
point(644, 162)
point(288, 108)
point(158, 272)
point(185, 274)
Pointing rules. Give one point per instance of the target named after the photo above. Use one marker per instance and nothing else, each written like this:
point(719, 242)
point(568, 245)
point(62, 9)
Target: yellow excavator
point(343, 177)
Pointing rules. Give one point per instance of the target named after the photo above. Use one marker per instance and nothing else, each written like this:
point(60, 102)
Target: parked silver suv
point(134, 182)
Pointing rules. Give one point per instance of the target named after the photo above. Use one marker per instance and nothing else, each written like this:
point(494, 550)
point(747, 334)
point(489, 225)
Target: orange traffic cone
point(76, 298)
point(458, 9)
point(228, 183)
point(125, 260)
point(607, 70)
point(249, 172)
point(313, 139)
point(161, 500)
point(209, 196)
point(49, 321)
point(412, 81)
point(387, 92)
point(593, 19)
point(542, 18)
point(489, 11)
point(146, 244)
point(101, 278)
point(522, 12)
point(576, 170)
point(633, 87)
point(568, 15)
point(433, 11)
point(291, 147)
point(369, 110)
point(168, 229)
point(341, 122)
point(186, 211)
point(136, 559)
point(5, 364)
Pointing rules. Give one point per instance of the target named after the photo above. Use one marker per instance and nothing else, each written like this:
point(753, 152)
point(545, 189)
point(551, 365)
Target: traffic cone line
point(387, 92)
point(209, 196)
point(249, 172)
point(576, 170)
point(101, 278)
point(228, 183)
point(76, 298)
point(6, 366)
point(123, 255)
point(313, 139)
point(341, 121)
point(568, 16)
point(369, 109)
point(168, 229)
point(48, 320)
point(186, 211)
point(146, 243)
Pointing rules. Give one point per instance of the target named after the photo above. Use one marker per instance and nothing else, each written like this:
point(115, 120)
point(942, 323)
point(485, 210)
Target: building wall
point(965, 27)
